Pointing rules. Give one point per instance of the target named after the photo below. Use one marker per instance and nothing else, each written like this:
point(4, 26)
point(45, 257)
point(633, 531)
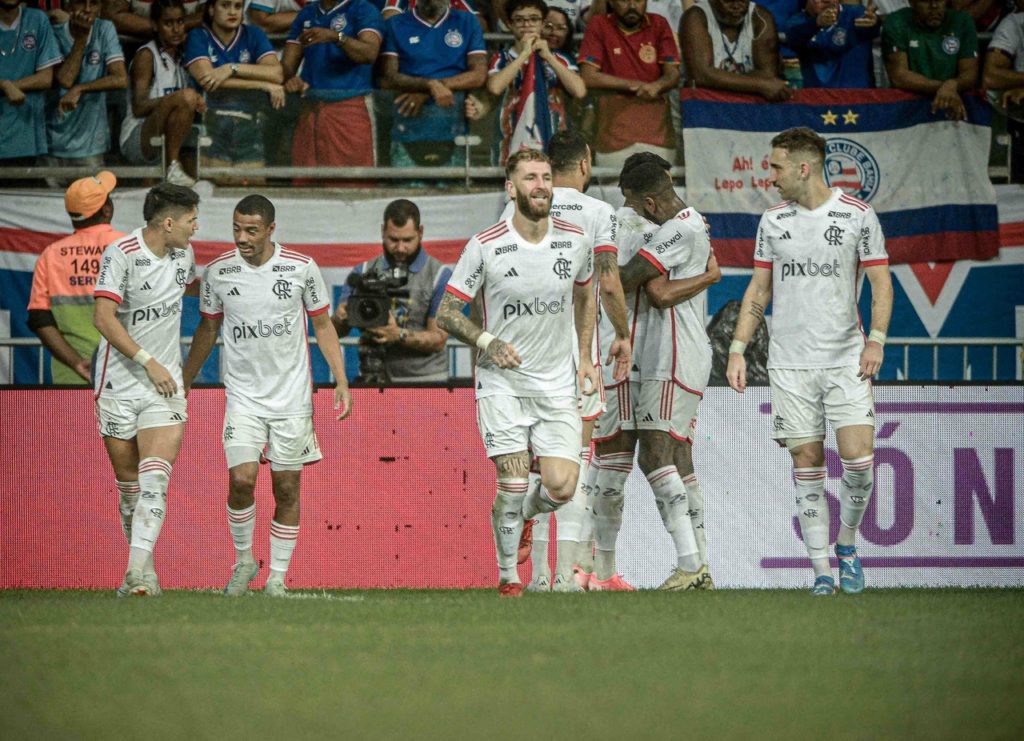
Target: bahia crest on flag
point(533, 119)
point(925, 176)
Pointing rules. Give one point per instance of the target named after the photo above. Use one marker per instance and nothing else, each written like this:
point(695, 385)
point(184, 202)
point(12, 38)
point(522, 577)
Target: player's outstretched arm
point(451, 319)
point(664, 293)
point(638, 271)
point(105, 321)
point(585, 315)
point(613, 300)
point(881, 313)
point(755, 300)
point(327, 339)
point(203, 340)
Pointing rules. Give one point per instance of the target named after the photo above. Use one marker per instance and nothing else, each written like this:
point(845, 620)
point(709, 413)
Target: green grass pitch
point(889, 664)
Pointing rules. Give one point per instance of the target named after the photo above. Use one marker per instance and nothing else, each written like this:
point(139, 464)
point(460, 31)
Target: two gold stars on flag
point(829, 118)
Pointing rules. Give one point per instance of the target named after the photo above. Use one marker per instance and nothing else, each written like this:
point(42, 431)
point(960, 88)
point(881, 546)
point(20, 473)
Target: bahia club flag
point(925, 176)
point(533, 119)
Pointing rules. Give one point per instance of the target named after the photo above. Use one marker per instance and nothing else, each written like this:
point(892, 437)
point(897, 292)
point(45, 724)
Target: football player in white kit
point(262, 292)
point(807, 258)
point(140, 401)
point(615, 437)
point(533, 273)
point(570, 172)
point(674, 366)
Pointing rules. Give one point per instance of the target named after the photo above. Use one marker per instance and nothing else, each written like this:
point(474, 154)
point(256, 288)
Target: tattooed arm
point(451, 319)
point(636, 273)
point(755, 301)
point(613, 301)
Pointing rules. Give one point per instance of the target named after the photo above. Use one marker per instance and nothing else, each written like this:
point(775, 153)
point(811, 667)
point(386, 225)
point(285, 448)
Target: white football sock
point(570, 518)
point(128, 494)
point(608, 500)
point(812, 511)
point(507, 524)
point(282, 544)
point(539, 565)
point(670, 495)
point(696, 497)
point(585, 556)
point(242, 523)
point(150, 510)
point(536, 502)
point(854, 494)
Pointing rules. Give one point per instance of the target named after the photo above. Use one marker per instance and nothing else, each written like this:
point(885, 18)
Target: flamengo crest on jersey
point(148, 291)
point(633, 232)
point(266, 350)
point(814, 257)
point(526, 294)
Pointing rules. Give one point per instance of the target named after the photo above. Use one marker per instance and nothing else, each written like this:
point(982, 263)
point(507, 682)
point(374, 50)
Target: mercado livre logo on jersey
point(851, 166)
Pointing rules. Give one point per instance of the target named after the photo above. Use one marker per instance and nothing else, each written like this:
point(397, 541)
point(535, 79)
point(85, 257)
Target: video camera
point(373, 295)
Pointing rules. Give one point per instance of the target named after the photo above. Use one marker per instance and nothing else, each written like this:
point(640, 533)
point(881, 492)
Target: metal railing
point(459, 366)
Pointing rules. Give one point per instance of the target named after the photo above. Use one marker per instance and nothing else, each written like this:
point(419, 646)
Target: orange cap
point(85, 197)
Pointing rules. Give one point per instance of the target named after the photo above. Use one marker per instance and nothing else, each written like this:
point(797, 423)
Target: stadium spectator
point(60, 307)
point(233, 63)
point(410, 348)
point(932, 50)
point(432, 56)
point(508, 70)
point(273, 16)
point(160, 100)
point(633, 59)
point(77, 129)
point(670, 10)
point(29, 55)
point(394, 7)
point(337, 44)
point(732, 45)
point(834, 42)
point(573, 10)
point(986, 14)
point(133, 17)
point(782, 11)
point(1004, 80)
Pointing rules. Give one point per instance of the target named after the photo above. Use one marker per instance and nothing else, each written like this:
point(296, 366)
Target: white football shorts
point(802, 399)
point(123, 418)
point(669, 407)
point(618, 412)
point(549, 426)
point(289, 440)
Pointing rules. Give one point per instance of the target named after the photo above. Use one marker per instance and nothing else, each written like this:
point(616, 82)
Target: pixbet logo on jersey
point(150, 313)
point(810, 269)
point(535, 308)
point(261, 329)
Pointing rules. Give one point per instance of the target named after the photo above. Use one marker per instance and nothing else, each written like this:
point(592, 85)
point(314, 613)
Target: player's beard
point(432, 9)
point(528, 209)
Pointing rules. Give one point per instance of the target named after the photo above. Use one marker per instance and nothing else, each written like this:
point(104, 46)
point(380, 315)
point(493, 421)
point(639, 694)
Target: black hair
point(168, 200)
point(159, 7)
point(257, 205)
point(400, 211)
point(566, 149)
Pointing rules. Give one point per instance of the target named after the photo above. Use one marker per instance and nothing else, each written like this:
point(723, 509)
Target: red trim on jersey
point(103, 373)
point(212, 316)
point(225, 256)
point(107, 294)
point(853, 201)
point(762, 264)
point(606, 248)
point(680, 437)
point(565, 226)
point(491, 232)
point(872, 263)
point(318, 312)
point(129, 246)
point(777, 206)
point(294, 255)
point(687, 389)
point(582, 283)
point(457, 293)
point(653, 261)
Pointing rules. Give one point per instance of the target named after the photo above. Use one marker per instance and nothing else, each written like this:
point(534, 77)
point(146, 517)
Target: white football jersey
point(677, 347)
point(597, 220)
point(148, 291)
point(633, 232)
point(527, 301)
point(814, 257)
point(266, 349)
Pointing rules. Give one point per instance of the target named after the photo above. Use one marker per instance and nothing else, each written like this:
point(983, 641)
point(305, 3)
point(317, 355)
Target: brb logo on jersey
point(535, 308)
point(851, 167)
point(810, 269)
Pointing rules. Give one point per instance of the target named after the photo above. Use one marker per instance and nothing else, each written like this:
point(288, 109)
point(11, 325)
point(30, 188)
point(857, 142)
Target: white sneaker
point(561, 584)
point(241, 574)
point(275, 588)
point(133, 585)
point(151, 581)
point(176, 175)
point(541, 584)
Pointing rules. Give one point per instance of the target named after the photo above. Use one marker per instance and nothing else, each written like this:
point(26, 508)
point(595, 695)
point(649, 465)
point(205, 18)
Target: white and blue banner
point(925, 176)
point(533, 117)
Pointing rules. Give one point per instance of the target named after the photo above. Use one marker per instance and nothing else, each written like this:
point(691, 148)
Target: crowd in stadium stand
point(369, 82)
